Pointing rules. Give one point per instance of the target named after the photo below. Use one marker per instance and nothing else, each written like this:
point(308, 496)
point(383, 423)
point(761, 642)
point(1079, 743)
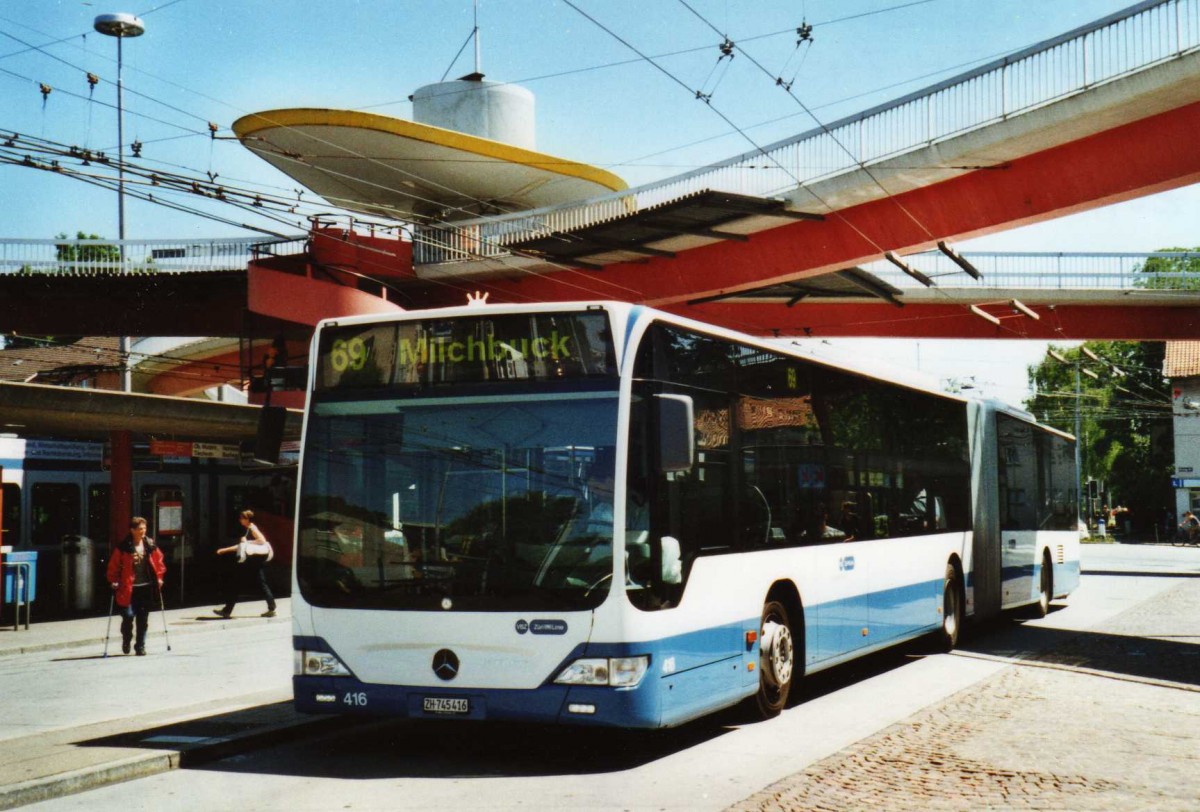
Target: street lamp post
point(121, 26)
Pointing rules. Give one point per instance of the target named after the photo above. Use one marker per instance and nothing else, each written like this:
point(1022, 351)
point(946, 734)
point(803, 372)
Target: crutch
point(162, 610)
point(108, 628)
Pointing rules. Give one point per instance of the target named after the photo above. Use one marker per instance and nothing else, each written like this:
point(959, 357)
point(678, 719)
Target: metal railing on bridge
point(93, 257)
point(1158, 271)
point(1121, 44)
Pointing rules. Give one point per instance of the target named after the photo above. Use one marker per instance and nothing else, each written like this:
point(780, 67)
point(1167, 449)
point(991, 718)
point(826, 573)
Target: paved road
point(1095, 707)
point(1107, 719)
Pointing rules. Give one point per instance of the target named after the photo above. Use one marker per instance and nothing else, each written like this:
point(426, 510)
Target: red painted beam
point(304, 300)
point(1057, 323)
point(1141, 158)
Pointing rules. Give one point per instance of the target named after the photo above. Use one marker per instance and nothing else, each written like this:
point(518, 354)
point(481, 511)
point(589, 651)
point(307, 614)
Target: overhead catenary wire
point(773, 34)
point(199, 117)
point(824, 22)
point(708, 103)
point(859, 162)
point(689, 50)
point(831, 21)
point(592, 290)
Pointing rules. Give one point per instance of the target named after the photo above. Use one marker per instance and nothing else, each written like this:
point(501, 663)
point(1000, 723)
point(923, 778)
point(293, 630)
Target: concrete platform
point(85, 735)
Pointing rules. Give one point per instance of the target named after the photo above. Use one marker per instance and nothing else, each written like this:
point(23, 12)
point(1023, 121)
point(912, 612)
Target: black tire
point(1045, 588)
point(953, 611)
point(776, 660)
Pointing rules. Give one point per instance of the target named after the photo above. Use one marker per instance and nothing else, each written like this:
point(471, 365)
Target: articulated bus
point(601, 514)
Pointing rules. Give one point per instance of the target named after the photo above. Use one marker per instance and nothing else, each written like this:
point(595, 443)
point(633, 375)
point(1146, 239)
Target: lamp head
point(119, 25)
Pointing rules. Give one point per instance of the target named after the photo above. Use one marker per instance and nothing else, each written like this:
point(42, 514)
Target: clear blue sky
point(597, 102)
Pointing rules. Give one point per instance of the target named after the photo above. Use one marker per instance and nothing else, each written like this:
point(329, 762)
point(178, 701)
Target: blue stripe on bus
point(690, 674)
point(1066, 579)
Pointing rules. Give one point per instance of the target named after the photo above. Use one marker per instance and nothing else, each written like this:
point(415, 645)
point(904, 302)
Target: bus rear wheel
point(952, 610)
point(1045, 588)
point(776, 660)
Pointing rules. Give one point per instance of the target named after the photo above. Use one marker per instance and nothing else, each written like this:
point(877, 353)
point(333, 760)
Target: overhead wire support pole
point(1079, 498)
point(1078, 447)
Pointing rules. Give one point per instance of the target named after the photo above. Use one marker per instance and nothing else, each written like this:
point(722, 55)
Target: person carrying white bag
point(253, 552)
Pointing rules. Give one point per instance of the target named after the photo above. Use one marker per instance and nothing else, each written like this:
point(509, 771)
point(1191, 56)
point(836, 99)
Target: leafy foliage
point(1124, 415)
point(1171, 273)
point(67, 253)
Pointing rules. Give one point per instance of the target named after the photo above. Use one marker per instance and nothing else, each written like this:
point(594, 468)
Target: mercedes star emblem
point(445, 664)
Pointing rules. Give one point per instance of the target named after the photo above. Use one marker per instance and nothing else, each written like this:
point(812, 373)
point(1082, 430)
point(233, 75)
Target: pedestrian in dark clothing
point(135, 572)
point(253, 552)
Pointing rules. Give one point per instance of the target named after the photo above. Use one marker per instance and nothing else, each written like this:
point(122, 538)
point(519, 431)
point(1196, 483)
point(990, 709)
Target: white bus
point(601, 514)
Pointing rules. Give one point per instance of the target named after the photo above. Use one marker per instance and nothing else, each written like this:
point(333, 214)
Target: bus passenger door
point(840, 612)
point(1017, 560)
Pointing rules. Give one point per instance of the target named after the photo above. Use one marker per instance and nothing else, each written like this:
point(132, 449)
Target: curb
point(154, 763)
point(34, 648)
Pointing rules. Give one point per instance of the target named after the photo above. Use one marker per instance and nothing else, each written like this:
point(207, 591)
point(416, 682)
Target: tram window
point(12, 515)
point(56, 512)
point(98, 510)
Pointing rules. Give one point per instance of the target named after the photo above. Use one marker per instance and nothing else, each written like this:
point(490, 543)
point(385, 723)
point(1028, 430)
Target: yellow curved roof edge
point(311, 116)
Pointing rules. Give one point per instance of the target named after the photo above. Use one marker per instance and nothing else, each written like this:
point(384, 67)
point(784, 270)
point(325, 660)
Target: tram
point(57, 492)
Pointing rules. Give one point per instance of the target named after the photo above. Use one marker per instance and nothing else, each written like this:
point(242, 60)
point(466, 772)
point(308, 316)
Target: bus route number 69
point(356, 699)
point(350, 354)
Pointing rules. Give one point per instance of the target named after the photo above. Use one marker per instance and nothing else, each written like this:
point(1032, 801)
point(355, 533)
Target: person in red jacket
point(135, 570)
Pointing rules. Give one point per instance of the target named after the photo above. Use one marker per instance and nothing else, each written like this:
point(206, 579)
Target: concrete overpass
point(1033, 295)
point(1101, 114)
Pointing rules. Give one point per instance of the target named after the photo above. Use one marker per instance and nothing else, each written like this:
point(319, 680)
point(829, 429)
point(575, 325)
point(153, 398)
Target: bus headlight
point(618, 672)
point(318, 664)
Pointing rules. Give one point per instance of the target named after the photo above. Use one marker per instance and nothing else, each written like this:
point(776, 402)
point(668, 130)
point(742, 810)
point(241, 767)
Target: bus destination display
point(466, 350)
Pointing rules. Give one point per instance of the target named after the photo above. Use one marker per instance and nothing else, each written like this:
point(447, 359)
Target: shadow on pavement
point(204, 739)
point(367, 748)
point(1142, 657)
point(419, 749)
point(373, 748)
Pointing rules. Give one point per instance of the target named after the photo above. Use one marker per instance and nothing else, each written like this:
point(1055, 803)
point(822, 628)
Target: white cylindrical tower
point(495, 110)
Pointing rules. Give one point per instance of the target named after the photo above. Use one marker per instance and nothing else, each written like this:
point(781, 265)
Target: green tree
point(1170, 273)
point(86, 257)
point(1124, 408)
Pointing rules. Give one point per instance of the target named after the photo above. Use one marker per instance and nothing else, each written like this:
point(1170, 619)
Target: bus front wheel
point(776, 660)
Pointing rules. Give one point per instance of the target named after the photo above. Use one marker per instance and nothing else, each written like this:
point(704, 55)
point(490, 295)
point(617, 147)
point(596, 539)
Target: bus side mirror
point(676, 439)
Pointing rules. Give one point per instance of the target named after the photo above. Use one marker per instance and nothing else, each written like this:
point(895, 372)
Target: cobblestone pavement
point(1107, 719)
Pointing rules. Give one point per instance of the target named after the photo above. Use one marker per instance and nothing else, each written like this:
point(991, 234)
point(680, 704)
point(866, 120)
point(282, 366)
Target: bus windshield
point(477, 503)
